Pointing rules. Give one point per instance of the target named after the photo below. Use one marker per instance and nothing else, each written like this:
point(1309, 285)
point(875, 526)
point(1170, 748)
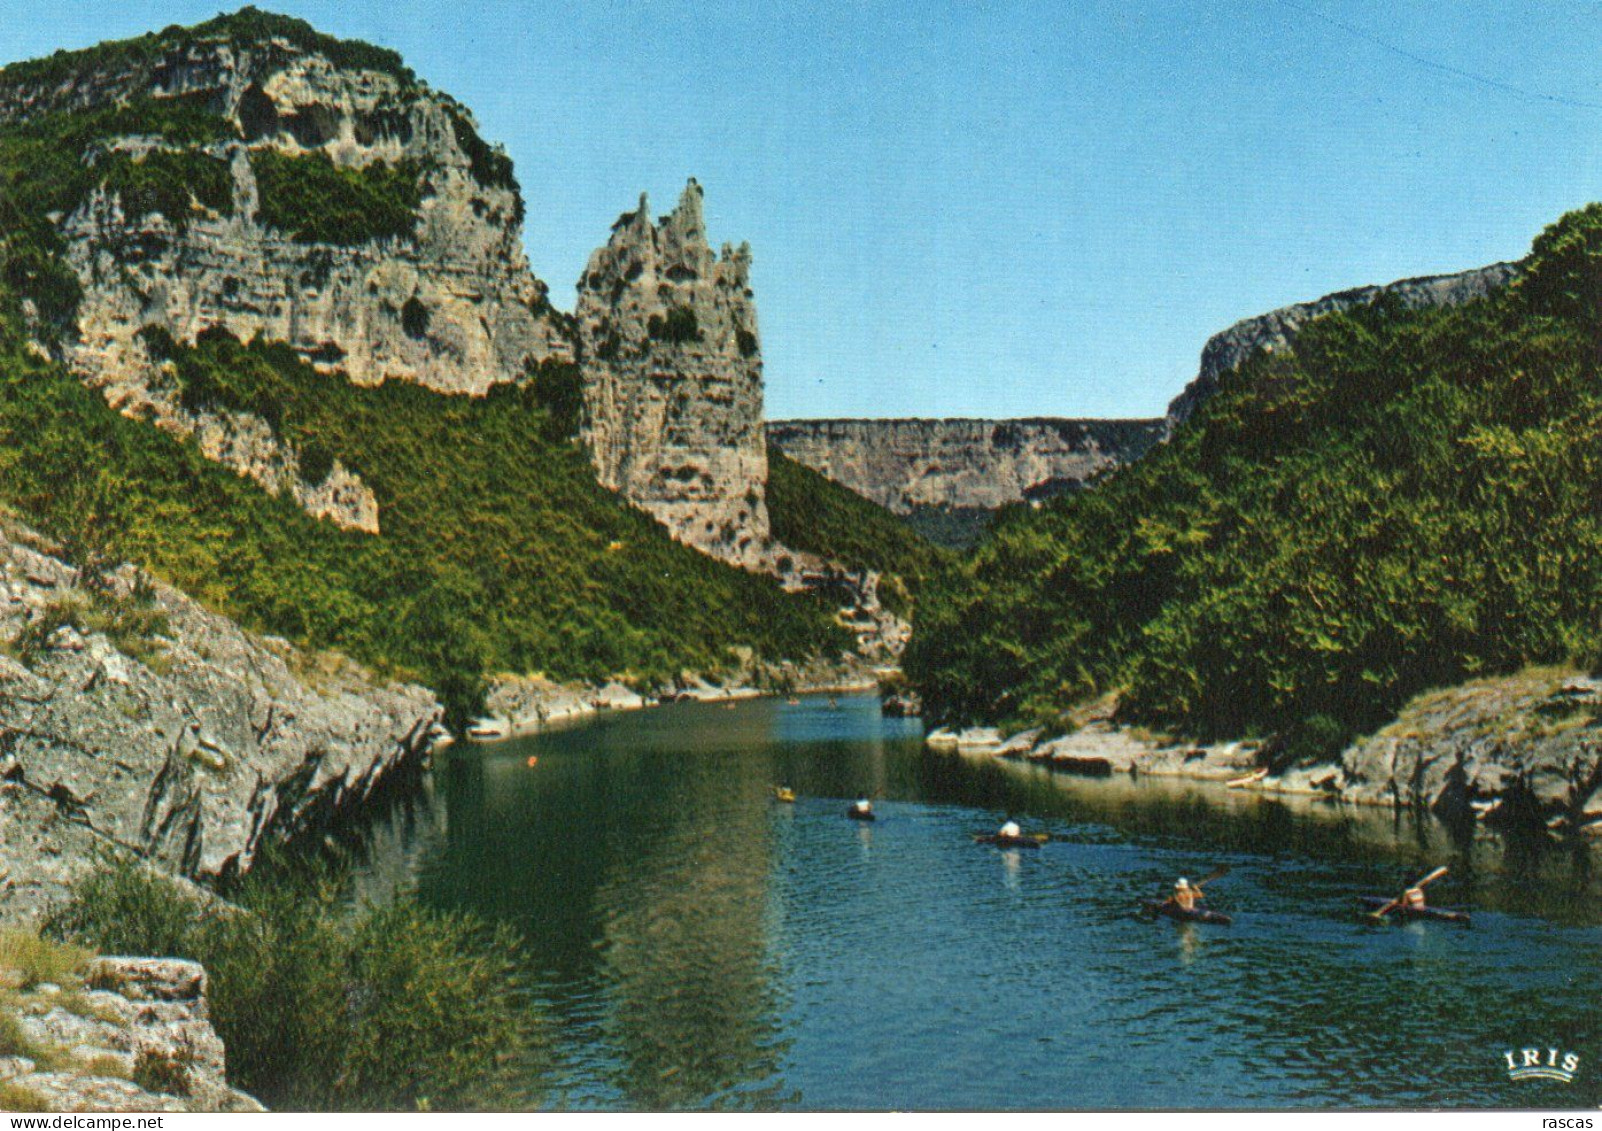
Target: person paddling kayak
point(1009, 831)
point(1186, 897)
point(861, 810)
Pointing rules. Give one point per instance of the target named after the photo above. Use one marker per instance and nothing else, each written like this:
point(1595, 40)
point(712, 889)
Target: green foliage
point(810, 512)
point(168, 182)
point(678, 326)
point(490, 167)
point(321, 1007)
point(499, 551)
point(142, 54)
point(1406, 500)
point(163, 1073)
point(558, 391)
point(312, 200)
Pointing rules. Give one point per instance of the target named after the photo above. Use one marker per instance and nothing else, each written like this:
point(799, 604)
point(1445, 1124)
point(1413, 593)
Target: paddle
point(1379, 915)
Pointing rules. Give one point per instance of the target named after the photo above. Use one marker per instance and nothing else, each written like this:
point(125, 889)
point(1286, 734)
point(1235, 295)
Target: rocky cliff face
point(441, 294)
point(673, 380)
point(1520, 752)
point(449, 303)
point(136, 1036)
point(906, 464)
point(1278, 328)
point(131, 716)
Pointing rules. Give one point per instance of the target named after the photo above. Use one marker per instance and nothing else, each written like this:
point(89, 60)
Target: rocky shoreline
point(1517, 754)
point(518, 706)
point(132, 717)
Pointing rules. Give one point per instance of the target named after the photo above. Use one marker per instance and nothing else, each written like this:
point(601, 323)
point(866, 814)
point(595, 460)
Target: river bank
point(1519, 753)
point(519, 706)
point(710, 947)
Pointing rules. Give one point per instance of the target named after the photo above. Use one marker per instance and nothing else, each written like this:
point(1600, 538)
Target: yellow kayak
point(780, 793)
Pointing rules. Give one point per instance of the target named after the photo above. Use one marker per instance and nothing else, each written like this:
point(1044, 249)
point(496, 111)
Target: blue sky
point(1005, 209)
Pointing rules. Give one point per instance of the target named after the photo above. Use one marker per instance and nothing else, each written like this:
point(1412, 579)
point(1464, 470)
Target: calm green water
point(695, 944)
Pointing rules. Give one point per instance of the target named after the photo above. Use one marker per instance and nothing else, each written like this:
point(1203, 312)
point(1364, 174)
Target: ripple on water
point(705, 947)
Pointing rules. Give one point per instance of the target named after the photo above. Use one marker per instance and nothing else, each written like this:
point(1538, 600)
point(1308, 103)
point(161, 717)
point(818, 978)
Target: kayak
point(1440, 914)
point(1195, 915)
point(781, 794)
point(860, 814)
point(1000, 841)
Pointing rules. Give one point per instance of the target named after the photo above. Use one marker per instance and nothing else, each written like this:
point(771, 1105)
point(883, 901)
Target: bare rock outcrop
point(673, 380)
point(451, 305)
point(131, 716)
point(1521, 751)
point(136, 1038)
point(984, 464)
point(1277, 329)
point(447, 301)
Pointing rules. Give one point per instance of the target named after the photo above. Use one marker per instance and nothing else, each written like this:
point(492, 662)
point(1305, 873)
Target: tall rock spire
point(673, 380)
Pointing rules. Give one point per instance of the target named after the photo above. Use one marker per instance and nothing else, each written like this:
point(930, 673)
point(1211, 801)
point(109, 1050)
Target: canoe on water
point(782, 794)
point(1032, 840)
point(861, 814)
point(1441, 914)
point(1172, 910)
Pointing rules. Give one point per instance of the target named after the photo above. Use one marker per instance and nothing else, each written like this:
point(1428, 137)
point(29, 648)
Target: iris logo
point(1541, 1064)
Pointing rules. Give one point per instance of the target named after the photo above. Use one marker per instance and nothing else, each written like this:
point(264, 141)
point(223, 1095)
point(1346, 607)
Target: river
point(693, 943)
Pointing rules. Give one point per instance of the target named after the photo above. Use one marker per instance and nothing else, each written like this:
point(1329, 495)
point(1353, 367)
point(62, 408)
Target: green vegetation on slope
point(247, 27)
point(312, 200)
point(812, 513)
point(499, 551)
point(381, 1009)
point(1407, 499)
point(44, 171)
point(168, 182)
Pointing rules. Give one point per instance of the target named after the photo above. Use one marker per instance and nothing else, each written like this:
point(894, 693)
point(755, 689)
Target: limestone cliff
point(332, 202)
point(129, 715)
point(133, 1035)
point(1278, 328)
point(672, 371)
point(449, 303)
point(906, 464)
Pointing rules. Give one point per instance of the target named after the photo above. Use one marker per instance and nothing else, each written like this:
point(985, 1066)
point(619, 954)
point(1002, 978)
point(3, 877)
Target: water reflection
point(695, 944)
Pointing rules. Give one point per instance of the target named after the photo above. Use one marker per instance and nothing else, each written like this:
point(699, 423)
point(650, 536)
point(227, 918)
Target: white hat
point(1182, 882)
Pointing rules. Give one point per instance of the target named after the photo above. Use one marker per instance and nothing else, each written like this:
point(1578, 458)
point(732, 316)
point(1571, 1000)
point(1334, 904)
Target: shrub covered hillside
point(816, 514)
point(498, 552)
point(1407, 499)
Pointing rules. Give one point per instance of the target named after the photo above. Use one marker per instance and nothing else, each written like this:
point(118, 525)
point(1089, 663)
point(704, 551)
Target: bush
point(1404, 500)
point(38, 960)
point(323, 1008)
point(558, 390)
point(312, 200)
point(164, 1073)
point(677, 327)
point(168, 183)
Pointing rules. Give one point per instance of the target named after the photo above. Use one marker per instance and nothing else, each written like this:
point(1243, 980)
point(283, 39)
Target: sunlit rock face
point(673, 380)
point(445, 298)
point(450, 304)
point(906, 464)
point(1277, 329)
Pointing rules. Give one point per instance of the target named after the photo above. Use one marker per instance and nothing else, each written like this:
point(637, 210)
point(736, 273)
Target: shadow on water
point(696, 944)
